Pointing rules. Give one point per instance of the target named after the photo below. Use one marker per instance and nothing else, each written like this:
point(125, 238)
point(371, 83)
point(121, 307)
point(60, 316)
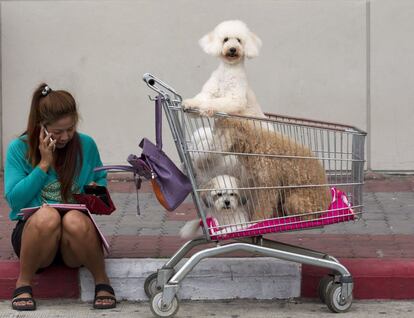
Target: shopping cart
point(339, 149)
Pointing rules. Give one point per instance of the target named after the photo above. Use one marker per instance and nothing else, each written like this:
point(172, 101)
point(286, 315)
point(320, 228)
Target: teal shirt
point(27, 186)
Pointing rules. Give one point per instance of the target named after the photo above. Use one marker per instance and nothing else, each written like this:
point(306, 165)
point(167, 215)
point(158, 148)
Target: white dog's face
point(232, 41)
point(226, 196)
point(232, 49)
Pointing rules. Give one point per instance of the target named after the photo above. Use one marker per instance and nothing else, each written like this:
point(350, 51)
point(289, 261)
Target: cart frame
point(335, 290)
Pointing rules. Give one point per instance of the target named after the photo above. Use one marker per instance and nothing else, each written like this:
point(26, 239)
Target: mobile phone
point(47, 133)
point(50, 138)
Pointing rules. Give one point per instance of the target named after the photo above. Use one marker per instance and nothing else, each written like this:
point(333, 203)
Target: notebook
point(27, 212)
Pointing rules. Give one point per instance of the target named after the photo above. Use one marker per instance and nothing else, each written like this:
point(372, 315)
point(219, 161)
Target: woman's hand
point(46, 147)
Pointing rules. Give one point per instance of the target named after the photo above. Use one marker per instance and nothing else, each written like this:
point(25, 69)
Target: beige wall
point(313, 64)
point(392, 84)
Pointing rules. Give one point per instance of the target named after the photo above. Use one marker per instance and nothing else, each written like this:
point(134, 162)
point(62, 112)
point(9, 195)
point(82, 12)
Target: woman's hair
point(49, 106)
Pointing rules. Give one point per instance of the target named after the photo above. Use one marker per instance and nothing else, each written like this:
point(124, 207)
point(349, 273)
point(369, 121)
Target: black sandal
point(107, 288)
point(23, 290)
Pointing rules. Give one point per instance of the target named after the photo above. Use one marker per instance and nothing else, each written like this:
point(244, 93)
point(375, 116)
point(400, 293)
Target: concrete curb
point(223, 278)
point(215, 278)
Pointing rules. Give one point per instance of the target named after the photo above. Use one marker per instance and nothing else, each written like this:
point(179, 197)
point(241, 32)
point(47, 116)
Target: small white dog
point(227, 89)
point(225, 203)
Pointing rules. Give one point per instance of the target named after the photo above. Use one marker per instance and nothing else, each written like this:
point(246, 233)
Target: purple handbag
point(170, 185)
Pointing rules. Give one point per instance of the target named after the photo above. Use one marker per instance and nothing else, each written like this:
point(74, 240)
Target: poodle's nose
point(227, 202)
point(232, 50)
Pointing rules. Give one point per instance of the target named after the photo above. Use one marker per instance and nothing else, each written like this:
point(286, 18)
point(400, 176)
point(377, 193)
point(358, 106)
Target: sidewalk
point(207, 309)
point(378, 249)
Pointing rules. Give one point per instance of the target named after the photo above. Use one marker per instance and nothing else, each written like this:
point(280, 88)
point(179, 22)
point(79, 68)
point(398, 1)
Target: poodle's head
point(232, 41)
point(224, 194)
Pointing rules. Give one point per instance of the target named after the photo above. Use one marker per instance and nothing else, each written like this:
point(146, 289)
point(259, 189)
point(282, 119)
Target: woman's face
point(62, 130)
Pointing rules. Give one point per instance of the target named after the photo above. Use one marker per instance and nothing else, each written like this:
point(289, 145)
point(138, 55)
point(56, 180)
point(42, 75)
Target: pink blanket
point(338, 211)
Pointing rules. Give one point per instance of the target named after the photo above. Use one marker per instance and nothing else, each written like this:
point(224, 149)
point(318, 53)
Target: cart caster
point(150, 285)
point(334, 301)
point(163, 311)
point(323, 287)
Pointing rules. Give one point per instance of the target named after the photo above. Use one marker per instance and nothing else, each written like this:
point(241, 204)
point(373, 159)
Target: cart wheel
point(324, 284)
point(163, 311)
point(334, 300)
point(150, 285)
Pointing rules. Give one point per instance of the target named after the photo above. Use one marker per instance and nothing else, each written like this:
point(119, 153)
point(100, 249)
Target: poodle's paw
point(191, 103)
point(207, 112)
point(190, 228)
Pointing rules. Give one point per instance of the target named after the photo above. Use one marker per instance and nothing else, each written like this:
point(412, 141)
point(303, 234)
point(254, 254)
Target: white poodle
point(208, 163)
point(227, 89)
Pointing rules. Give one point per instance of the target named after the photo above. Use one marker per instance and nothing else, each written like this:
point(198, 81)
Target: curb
point(253, 278)
point(373, 278)
point(55, 282)
point(211, 279)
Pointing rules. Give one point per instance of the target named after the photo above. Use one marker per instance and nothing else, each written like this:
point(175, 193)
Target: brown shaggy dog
point(285, 176)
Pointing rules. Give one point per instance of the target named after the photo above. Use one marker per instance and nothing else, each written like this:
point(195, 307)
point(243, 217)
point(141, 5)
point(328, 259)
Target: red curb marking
point(54, 282)
point(373, 278)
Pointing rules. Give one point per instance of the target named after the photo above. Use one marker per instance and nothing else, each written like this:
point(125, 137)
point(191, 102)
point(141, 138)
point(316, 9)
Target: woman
point(47, 164)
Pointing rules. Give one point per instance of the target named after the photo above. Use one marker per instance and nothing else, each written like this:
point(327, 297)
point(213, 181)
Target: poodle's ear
point(242, 200)
point(208, 201)
point(253, 45)
point(210, 44)
point(206, 195)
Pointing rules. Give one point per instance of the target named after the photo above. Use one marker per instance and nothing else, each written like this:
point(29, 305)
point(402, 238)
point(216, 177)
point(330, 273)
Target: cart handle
point(156, 84)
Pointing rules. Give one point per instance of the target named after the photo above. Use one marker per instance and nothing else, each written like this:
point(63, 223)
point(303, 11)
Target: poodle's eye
point(225, 40)
point(219, 194)
point(239, 40)
point(231, 194)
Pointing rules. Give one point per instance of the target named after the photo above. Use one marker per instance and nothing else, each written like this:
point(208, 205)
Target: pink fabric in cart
point(339, 211)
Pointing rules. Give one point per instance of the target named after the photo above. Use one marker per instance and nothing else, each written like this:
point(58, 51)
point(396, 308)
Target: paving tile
point(385, 230)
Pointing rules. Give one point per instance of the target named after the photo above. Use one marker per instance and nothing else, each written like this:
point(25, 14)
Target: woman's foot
point(23, 299)
point(104, 297)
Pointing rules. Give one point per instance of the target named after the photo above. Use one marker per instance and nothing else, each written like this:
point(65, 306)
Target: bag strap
point(115, 167)
point(158, 121)
point(137, 177)
point(158, 139)
point(137, 181)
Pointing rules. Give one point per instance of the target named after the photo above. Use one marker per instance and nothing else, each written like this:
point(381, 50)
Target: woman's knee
point(76, 223)
point(46, 220)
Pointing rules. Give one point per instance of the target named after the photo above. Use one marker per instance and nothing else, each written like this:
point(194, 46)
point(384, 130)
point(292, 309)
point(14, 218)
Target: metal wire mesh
point(254, 176)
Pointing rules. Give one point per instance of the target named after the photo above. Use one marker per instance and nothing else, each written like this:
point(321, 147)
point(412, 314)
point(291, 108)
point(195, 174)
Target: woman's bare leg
point(40, 241)
point(81, 245)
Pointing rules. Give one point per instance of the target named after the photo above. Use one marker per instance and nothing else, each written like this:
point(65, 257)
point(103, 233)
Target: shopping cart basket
point(337, 149)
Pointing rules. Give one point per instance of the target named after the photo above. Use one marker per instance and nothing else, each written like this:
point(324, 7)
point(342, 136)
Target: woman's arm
point(99, 177)
point(21, 184)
